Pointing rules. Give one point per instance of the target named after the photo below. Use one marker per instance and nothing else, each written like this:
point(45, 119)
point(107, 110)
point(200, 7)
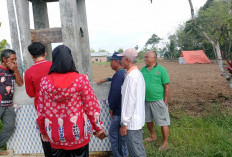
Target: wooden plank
point(47, 36)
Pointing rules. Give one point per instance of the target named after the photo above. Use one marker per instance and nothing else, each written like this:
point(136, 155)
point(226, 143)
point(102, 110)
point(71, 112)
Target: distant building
point(99, 56)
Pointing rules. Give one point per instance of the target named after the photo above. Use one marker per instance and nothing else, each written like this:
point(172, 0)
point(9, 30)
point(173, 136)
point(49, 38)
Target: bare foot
point(150, 139)
point(164, 147)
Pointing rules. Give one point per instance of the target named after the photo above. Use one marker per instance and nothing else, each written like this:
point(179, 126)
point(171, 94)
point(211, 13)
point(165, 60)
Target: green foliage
point(120, 50)
point(213, 19)
point(92, 50)
point(101, 50)
point(141, 53)
point(153, 41)
point(171, 52)
point(136, 47)
point(3, 44)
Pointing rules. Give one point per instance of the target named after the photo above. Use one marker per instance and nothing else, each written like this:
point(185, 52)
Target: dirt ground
point(193, 87)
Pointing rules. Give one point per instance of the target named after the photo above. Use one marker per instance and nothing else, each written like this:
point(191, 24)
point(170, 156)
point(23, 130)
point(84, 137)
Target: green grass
point(206, 136)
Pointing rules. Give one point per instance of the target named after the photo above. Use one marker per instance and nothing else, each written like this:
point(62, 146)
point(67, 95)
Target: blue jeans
point(118, 143)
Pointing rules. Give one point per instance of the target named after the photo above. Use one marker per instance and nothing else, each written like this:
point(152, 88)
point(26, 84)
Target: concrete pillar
point(40, 14)
point(20, 28)
point(75, 33)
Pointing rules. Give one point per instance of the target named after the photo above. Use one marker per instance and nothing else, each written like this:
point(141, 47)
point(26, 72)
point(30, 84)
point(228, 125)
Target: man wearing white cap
point(133, 104)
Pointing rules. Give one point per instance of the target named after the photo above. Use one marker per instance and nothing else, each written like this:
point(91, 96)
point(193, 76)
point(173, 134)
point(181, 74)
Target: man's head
point(129, 57)
point(150, 58)
point(115, 61)
point(8, 55)
point(37, 49)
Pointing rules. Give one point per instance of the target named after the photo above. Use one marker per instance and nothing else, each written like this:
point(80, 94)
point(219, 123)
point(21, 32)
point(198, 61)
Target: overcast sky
point(115, 24)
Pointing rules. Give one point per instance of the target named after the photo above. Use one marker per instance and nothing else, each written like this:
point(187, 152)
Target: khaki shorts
point(157, 111)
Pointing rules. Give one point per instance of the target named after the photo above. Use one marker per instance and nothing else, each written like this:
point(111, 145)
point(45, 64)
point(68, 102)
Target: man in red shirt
point(33, 77)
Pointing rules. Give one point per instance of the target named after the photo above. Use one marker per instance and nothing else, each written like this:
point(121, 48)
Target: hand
point(12, 66)
point(44, 137)
point(100, 134)
point(111, 113)
point(8, 88)
point(123, 130)
point(101, 81)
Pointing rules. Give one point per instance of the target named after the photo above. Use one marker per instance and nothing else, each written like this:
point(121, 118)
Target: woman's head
point(62, 60)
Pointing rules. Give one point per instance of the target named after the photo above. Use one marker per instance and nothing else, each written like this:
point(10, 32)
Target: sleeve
point(165, 77)
point(129, 101)
point(115, 91)
point(108, 79)
point(29, 86)
point(91, 105)
point(40, 110)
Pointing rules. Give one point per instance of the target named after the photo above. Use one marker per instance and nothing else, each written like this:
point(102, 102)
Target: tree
point(136, 47)
point(207, 26)
point(141, 53)
point(162, 51)
point(92, 50)
point(101, 50)
point(153, 41)
point(120, 50)
point(172, 46)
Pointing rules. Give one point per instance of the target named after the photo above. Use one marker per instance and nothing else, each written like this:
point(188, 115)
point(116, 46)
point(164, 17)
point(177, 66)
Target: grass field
point(196, 136)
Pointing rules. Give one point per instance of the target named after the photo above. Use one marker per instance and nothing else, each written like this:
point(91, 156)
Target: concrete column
point(84, 39)
point(41, 20)
point(20, 31)
point(75, 33)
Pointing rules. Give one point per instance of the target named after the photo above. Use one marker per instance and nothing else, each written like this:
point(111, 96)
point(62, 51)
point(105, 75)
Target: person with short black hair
point(9, 74)
point(33, 77)
point(118, 143)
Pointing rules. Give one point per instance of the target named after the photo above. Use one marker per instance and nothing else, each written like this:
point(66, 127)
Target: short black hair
point(6, 53)
point(36, 49)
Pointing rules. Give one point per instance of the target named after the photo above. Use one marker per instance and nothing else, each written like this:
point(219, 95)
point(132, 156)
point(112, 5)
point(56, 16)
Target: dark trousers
point(47, 148)
point(7, 116)
point(80, 152)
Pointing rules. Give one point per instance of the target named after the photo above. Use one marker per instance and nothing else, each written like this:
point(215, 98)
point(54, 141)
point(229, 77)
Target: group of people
point(68, 110)
point(135, 97)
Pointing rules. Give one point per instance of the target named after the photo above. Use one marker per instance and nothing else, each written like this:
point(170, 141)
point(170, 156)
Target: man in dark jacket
point(118, 143)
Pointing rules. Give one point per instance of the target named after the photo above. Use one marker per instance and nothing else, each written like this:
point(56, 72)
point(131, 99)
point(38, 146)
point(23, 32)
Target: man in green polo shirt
point(157, 93)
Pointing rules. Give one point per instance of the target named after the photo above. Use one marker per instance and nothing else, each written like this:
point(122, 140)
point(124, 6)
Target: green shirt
point(154, 80)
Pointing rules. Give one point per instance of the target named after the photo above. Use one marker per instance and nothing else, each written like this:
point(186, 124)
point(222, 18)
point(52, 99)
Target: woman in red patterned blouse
point(66, 106)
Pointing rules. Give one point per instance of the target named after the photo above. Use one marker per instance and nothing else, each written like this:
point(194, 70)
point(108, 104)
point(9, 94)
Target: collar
point(4, 68)
point(153, 66)
point(40, 61)
point(132, 68)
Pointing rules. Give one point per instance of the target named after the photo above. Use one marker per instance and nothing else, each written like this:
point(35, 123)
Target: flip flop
point(149, 139)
